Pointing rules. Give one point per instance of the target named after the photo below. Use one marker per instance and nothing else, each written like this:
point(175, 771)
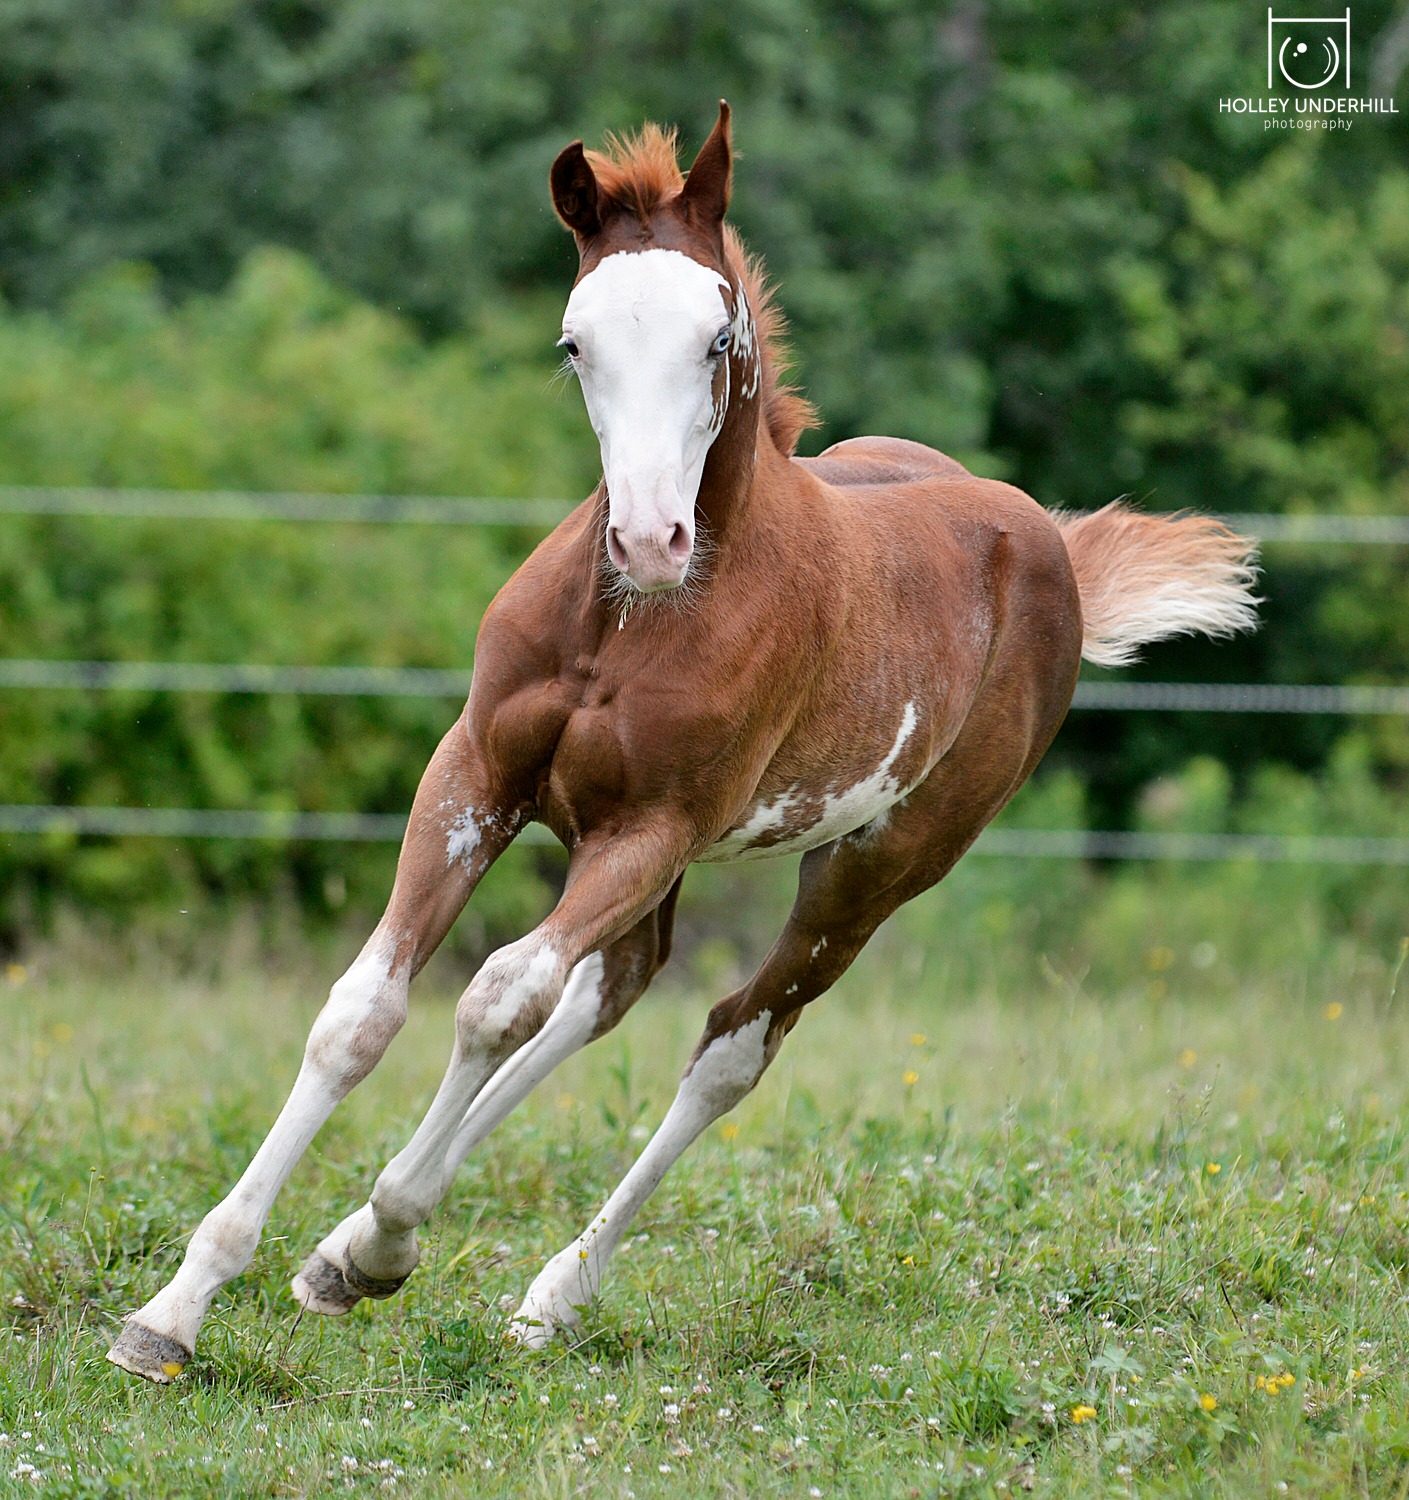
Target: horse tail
point(1144, 577)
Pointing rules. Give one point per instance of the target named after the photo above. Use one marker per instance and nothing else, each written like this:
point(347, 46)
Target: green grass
point(944, 1224)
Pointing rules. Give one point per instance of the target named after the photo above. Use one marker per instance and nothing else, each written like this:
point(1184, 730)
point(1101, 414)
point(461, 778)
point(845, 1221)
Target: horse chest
point(819, 808)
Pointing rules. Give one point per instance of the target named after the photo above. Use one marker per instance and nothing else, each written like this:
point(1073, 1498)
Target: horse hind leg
point(741, 1037)
point(845, 890)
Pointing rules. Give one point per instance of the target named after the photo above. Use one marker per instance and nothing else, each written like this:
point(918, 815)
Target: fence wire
point(1023, 843)
point(244, 505)
point(258, 505)
point(456, 510)
point(434, 682)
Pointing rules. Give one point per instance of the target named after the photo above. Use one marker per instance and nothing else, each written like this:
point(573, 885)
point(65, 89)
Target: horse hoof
point(322, 1288)
point(151, 1355)
point(530, 1333)
point(540, 1320)
point(331, 1290)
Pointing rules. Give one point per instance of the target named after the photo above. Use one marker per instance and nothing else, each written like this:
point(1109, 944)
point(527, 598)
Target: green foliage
point(1035, 242)
point(280, 381)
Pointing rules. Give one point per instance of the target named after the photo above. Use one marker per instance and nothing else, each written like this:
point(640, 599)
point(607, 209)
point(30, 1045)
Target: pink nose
point(654, 557)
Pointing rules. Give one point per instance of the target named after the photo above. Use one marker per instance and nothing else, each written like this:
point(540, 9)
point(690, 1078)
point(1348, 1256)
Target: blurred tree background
point(306, 244)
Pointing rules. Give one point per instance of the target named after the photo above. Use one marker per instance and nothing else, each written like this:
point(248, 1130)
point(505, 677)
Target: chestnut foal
point(726, 652)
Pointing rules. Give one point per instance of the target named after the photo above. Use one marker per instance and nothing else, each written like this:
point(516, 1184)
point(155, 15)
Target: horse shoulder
point(531, 657)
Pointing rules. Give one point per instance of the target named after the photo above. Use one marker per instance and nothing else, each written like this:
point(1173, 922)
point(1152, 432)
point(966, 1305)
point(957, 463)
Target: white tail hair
point(1145, 577)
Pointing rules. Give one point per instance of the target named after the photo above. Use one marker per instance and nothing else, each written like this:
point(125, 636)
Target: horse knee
point(510, 998)
point(364, 1011)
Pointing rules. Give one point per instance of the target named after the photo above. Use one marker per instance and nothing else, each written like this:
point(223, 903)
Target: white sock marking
point(726, 1070)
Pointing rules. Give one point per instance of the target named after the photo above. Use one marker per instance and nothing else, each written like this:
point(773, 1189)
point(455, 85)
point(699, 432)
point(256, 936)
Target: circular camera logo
point(1308, 52)
point(1302, 51)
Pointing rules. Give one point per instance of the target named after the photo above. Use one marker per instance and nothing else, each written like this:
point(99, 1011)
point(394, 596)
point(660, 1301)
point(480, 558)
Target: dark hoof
point(153, 1356)
point(332, 1290)
point(321, 1288)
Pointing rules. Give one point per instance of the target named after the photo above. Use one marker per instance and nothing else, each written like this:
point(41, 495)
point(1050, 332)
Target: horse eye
point(566, 343)
point(722, 340)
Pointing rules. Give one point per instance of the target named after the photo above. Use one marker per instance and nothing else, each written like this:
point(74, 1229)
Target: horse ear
point(574, 188)
point(706, 190)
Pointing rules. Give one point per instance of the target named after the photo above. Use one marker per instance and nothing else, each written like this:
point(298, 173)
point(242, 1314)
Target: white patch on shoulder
point(838, 812)
point(463, 837)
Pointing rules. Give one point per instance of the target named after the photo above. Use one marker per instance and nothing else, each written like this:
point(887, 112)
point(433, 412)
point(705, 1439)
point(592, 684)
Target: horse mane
point(639, 174)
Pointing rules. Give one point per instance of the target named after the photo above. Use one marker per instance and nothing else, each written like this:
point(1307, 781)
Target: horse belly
point(804, 817)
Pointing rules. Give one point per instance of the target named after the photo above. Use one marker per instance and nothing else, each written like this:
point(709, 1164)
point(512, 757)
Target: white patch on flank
point(841, 812)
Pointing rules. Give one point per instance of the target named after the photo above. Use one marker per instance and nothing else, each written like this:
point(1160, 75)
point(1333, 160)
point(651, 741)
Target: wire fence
point(435, 682)
point(412, 682)
point(259, 505)
point(1025, 843)
point(455, 510)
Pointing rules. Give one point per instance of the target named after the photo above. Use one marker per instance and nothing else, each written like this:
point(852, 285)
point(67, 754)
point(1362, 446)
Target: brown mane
point(638, 174)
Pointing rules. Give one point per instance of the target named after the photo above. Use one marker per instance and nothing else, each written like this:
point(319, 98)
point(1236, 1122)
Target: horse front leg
point(532, 1004)
point(458, 827)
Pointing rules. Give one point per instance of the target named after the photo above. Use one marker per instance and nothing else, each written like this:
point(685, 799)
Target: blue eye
point(721, 343)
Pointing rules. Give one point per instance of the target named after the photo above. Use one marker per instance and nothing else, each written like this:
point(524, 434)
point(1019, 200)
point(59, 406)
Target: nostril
point(679, 544)
point(615, 550)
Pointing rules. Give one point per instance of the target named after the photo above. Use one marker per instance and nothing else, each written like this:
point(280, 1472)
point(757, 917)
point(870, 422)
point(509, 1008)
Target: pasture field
point(1030, 1239)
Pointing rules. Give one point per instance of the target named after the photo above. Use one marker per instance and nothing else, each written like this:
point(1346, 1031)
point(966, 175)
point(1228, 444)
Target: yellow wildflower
point(729, 1130)
point(1188, 1057)
point(918, 1039)
point(1334, 1011)
point(1081, 1414)
point(909, 1077)
point(1207, 1402)
point(1214, 1168)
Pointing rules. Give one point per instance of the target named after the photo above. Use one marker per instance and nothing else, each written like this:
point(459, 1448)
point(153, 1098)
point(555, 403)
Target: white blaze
point(643, 323)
